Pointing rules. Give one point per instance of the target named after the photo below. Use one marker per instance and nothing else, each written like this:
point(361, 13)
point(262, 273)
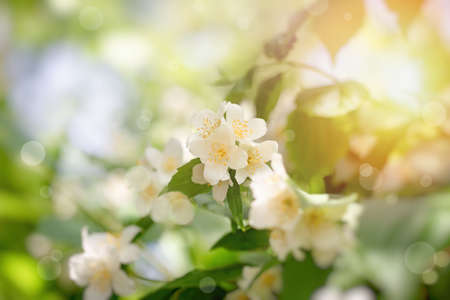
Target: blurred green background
point(85, 86)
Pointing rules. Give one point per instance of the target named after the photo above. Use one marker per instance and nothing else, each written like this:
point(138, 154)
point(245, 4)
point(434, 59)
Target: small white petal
point(96, 293)
point(261, 170)
point(174, 150)
point(234, 112)
point(78, 269)
point(238, 158)
point(129, 253)
point(199, 117)
point(153, 157)
point(160, 212)
point(182, 210)
point(278, 165)
point(258, 128)
point(122, 284)
point(224, 135)
point(241, 175)
point(197, 174)
point(220, 190)
point(215, 172)
point(200, 148)
point(267, 149)
point(143, 205)
point(128, 233)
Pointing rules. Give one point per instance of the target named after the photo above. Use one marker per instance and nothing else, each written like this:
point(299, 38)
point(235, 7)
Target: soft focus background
point(86, 85)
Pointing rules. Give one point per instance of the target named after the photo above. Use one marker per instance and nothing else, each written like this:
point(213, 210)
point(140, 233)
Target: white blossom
point(98, 267)
point(121, 242)
point(245, 129)
point(172, 208)
point(167, 161)
point(276, 204)
point(219, 190)
point(205, 122)
point(218, 152)
point(258, 155)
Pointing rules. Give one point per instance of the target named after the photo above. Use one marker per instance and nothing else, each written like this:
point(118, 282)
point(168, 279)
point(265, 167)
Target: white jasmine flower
point(167, 161)
point(217, 153)
point(205, 122)
point(244, 129)
point(320, 229)
point(258, 156)
point(173, 208)
point(276, 205)
point(148, 195)
point(219, 190)
point(98, 267)
point(121, 242)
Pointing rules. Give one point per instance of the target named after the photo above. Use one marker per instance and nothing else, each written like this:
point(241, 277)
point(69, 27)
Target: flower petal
point(153, 157)
point(122, 284)
point(234, 112)
point(182, 210)
point(95, 293)
point(241, 175)
point(128, 233)
point(267, 149)
point(220, 190)
point(79, 269)
point(213, 172)
point(129, 253)
point(174, 150)
point(197, 174)
point(258, 128)
point(200, 148)
point(161, 209)
point(238, 158)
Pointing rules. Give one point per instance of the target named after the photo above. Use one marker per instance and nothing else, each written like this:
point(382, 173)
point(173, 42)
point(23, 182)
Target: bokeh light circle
point(207, 285)
point(49, 268)
point(32, 153)
point(419, 257)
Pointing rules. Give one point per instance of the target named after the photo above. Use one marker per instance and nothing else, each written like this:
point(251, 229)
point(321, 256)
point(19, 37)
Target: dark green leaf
point(239, 91)
point(302, 278)
point(268, 94)
point(182, 181)
point(235, 202)
point(244, 240)
point(192, 280)
point(196, 294)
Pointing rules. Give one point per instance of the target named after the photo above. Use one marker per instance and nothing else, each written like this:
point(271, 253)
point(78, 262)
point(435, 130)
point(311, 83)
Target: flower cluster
point(226, 140)
point(301, 221)
point(149, 178)
point(98, 266)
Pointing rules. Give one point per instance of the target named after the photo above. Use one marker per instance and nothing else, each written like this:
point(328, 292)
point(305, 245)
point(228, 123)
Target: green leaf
point(192, 280)
point(302, 278)
point(182, 181)
point(332, 100)
point(197, 293)
point(244, 240)
point(267, 96)
point(241, 87)
point(317, 145)
point(235, 202)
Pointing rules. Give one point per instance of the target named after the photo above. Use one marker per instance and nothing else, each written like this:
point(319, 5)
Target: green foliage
point(234, 201)
point(192, 280)
point(267, 96)
point(241, 88)
point(302, 278)
point(244, 240)
point(182, 181)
